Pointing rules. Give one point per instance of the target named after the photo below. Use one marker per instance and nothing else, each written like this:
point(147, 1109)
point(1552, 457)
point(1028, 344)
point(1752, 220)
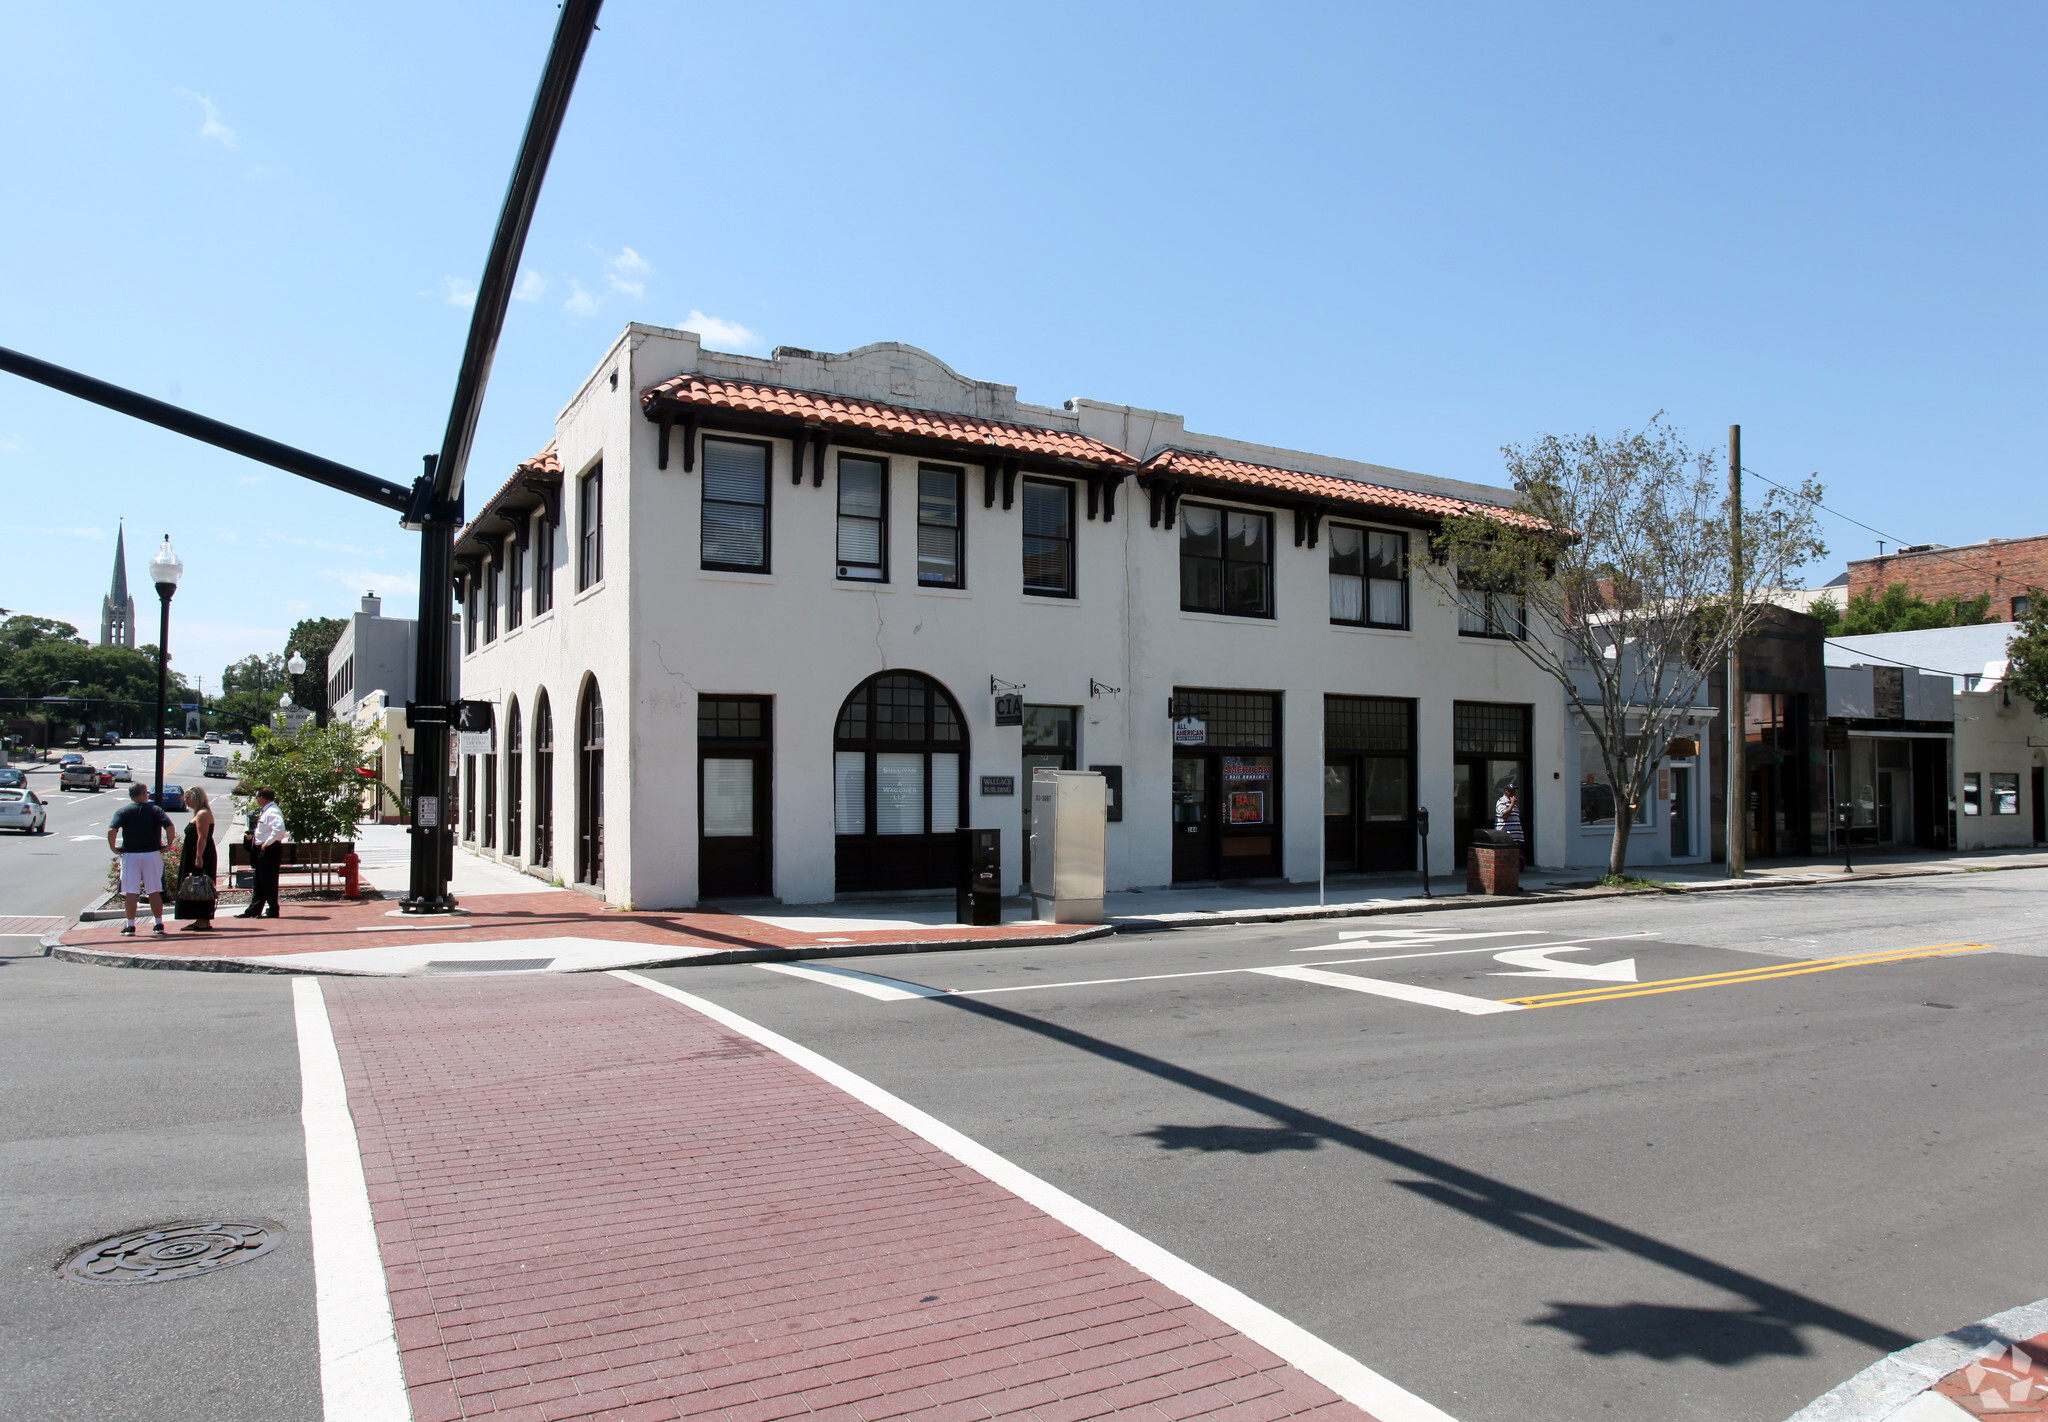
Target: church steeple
point(117, 608)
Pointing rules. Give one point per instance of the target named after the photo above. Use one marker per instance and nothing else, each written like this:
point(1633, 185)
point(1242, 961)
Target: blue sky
point(1406, 234)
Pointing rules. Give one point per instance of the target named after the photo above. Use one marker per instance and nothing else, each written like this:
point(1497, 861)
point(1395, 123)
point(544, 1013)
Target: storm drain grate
point(490, 965)
point(182, 1250)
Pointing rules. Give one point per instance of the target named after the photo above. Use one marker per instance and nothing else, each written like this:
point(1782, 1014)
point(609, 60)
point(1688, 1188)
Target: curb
point(1169, 923)
point(106, 906)
point(110, 958)
point(1888, 1384)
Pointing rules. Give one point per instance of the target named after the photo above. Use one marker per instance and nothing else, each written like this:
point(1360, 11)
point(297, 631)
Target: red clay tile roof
point(847, 412)
point(1321, 486)
point(546, 462)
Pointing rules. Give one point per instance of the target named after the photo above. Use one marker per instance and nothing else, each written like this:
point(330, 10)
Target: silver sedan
point(23, 810)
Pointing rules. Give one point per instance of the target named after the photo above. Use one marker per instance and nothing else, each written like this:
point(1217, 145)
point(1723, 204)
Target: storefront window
point(1973, 793)
point(1596, 796)
point(2005, 794)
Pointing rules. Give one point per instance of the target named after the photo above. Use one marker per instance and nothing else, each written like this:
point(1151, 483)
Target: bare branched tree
point(1612, 576)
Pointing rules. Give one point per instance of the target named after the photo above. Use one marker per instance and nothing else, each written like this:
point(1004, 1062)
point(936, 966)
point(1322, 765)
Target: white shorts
point(142, 873)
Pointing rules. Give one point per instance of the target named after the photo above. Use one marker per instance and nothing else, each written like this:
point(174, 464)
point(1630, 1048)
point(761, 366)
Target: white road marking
point(360, 1375)
point(1409, 938)
point(1334, 1369)
point(1536, 964)
point(1380, 987)
point(85, 838)
point(866, 984)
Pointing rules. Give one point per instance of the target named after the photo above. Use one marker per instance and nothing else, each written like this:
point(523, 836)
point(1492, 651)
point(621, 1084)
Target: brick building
point(2003, 567)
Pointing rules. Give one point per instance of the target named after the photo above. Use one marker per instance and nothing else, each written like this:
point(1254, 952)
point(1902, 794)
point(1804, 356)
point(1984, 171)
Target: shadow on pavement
point(1479, 1196)
point(1723, 1337)
point(1244, 1140)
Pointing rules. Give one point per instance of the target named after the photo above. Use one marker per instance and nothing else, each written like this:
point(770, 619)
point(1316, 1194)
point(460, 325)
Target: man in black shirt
point(141, 832)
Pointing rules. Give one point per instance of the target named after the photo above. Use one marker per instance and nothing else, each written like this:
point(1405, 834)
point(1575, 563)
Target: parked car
point(120, 771)
point(110, 739)
point(173, 797)
point(217, 765)
point(12, 779)
point(23, 810)
point(78, 776)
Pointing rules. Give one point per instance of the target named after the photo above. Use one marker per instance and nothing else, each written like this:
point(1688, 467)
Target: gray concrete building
point(374, 653)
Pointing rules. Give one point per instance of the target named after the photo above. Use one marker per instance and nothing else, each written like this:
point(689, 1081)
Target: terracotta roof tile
point(848, 412)
point(546, 462)
point(1320, 486)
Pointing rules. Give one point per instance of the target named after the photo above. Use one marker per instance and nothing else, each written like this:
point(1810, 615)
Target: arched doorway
point(590, 787)
point(899, 780)
point(543, 783)
point(513, 785)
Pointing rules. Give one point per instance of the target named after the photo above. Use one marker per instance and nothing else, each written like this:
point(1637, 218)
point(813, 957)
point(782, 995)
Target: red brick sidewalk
point(548, 913)
point(594, 1201)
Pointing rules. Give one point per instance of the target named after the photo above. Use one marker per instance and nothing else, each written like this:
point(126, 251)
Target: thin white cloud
point(213, 126)
point(256, 478)
point(627, 272)
point(457, 292)
point(68, 532)
point(580, 302)
point(726, 335)
point(272, 536)
point(387, 584)
point(10, 446)
point(531, 287)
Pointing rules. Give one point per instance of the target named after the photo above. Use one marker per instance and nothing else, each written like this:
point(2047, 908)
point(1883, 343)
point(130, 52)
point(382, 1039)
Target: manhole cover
point(170, 1251)
point(490, 965)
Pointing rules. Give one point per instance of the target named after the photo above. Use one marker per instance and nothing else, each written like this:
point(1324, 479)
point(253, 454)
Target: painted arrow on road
point(1537, 963)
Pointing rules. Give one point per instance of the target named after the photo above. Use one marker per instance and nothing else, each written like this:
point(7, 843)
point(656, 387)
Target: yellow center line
point(1794, 969)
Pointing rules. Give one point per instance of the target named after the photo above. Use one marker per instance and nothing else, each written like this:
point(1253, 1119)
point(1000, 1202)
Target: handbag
point(196, 888)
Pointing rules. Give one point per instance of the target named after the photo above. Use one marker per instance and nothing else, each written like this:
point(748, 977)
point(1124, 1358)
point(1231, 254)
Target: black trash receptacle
point(978, 891)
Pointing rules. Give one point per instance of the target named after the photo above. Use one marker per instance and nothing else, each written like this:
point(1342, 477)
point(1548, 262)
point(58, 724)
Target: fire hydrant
point(350, 871)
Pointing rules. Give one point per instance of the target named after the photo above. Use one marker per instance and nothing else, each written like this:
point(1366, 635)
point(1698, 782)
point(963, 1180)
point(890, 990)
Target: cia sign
point(1190, 731)
point(1010, 709)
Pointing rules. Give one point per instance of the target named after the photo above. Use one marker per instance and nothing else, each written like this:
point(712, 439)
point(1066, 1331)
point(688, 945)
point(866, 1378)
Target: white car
point(119, 770)
point(22, 810)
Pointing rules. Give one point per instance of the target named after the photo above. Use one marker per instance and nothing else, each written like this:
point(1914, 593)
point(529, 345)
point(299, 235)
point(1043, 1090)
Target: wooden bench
point(299, 858)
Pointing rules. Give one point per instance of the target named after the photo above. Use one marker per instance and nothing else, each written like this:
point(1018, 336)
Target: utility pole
point(1737, 814)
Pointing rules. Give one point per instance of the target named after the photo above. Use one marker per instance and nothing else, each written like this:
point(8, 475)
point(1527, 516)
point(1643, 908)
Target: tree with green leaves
point(313, 638)
point(1617, 555)
point(1898, 609)
point(317, 777)
point(2026, 652)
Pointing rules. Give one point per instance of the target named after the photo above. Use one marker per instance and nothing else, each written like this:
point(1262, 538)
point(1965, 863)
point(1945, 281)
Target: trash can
point(978, 892)
point(1493, 863)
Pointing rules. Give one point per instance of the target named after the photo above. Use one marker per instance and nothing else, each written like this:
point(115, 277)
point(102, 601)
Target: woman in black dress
point(199, 857)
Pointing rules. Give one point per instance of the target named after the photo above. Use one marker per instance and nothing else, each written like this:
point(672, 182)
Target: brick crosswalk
point(595, 1202)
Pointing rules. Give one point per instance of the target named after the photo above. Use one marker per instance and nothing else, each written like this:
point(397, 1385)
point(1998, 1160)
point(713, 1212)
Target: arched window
point(899, 779)
point(590, 787)
point(512, 782)
point(543, 783)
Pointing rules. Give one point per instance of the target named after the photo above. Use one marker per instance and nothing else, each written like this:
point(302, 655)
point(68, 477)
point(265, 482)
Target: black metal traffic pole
point(428, 716)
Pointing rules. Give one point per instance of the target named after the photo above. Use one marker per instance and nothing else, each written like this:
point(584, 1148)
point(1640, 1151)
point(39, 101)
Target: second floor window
point(938, 527)
point(1368, 576)
point(590, 529)
point(1485, 611)
point(515, 582)
point(1226, 561)
point(492, 576)
point(1048, 538)
point(469, 610)
point(735, 536)
point(863, 548)
point(543, 565)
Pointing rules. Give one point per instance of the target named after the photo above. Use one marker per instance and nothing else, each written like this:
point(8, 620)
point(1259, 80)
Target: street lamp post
point(164, 570)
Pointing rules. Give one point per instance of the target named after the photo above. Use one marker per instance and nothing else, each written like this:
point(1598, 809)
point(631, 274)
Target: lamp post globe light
point(164, 570)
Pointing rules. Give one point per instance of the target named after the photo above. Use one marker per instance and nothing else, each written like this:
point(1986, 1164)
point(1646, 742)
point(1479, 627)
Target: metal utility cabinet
point(1069, 815)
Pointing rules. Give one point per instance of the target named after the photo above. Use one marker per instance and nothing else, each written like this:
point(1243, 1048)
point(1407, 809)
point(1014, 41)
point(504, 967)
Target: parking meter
point(1422, 828)
point(1842, 812)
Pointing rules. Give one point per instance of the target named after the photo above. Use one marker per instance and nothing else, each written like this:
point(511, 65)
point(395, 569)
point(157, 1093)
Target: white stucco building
point(751, 625)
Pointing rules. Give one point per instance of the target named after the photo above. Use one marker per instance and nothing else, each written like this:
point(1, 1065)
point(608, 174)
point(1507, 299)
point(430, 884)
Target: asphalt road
point(1702, 1202)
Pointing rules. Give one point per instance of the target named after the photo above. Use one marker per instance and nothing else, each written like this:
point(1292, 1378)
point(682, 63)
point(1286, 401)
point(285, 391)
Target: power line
point(1910, 666)
point(1924, 553)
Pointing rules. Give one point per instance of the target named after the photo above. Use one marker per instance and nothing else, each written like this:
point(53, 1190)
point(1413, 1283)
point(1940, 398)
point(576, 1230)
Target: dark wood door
point(1194, 818)
point(733, 854)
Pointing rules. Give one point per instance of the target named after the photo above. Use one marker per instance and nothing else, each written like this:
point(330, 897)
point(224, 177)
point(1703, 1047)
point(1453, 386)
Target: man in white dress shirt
point(266, 855)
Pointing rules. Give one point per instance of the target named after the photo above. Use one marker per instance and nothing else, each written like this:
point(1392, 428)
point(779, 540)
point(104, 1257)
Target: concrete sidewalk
point(599, 1197)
